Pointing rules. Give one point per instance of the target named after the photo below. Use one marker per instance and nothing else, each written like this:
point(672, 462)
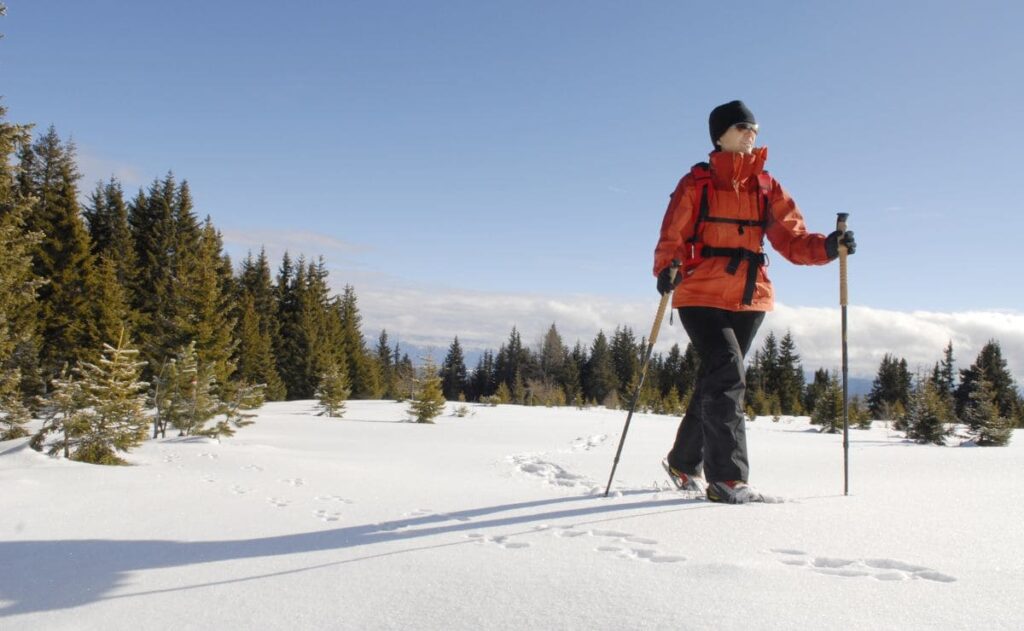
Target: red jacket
point(735, 195)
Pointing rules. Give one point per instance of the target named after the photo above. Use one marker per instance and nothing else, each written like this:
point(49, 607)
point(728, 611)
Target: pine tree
point(14, 415)
point(982, 415)
point(110, 309)
point(237, 410)
point(110, 233)
point(333, 391)
point(188, 400)
point(254, 355)
point(204, 306)
point(815, 389)
point(572, 373)
point(484, 379)
point(625, 354)
point(600, 379)
point(152, 220)
point(257, 328)
point(859, 416)
point(429, 402)
point(117, 421)
point(65, 413)
point(828, 405)
point(890, 387)
point(97, 409)
point(790, 378)
point(66, 325)
point(925, 414)
point(513, 359)
point(405, 376)
point(502, 395)
point(295, 348)
point(453, 372)
point(363, 371)
point(990, 366)
point(17, 285)
point(387, 366)
point(670, 373)
point(552, 357)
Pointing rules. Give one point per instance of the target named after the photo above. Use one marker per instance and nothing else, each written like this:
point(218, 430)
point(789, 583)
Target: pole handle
point(844, 298)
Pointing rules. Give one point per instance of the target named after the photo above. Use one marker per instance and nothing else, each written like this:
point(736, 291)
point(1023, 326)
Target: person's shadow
point(60, 574)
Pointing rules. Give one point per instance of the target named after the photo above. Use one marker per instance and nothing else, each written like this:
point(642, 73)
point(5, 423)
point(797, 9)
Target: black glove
point(665, 281)
point(834, 240)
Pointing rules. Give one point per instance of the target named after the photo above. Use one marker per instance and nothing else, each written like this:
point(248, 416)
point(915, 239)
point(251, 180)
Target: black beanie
point(725, 116)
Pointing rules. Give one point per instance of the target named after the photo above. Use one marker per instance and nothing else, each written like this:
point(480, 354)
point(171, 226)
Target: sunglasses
point(746, 127)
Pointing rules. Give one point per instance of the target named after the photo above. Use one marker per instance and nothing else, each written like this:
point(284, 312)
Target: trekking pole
point(843, 301)
point(665, 298)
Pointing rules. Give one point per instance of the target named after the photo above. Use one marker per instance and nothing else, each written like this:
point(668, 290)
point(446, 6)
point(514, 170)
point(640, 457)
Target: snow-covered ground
point(498, 521)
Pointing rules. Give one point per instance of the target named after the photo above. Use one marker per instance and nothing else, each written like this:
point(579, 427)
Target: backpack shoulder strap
point(701, 173)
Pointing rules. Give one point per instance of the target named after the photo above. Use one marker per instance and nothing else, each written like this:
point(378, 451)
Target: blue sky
point(468, 166)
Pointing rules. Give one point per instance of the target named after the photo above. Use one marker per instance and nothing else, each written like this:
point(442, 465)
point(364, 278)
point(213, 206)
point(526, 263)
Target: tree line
point(139, 291)
point(983, 396)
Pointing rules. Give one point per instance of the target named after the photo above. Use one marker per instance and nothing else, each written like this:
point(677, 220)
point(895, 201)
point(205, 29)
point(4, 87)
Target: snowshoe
point(684, 482)
point(737, 492)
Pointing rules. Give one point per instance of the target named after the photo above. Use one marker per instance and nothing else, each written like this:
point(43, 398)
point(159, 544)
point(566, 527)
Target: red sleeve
point(788, 234)
point(676, 226)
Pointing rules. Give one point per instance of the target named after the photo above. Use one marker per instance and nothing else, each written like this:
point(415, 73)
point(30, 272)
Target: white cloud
point(295, 242)
point(98, 169)
point(432, 317)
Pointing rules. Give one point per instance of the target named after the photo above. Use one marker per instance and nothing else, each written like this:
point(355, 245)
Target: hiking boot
point(734, 492)
point(684, 482)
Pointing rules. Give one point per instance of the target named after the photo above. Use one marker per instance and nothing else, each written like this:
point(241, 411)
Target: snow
point(498, 521)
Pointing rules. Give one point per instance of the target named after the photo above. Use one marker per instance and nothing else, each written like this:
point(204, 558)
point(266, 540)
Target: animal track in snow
point(252, 467)
point(209, 455)
point(332, 498)
point(878, 569)
point(641, 554)
point(550, 472)
point(240, 490)
point(500, 541)
point(588, 443)
point(296, 482)
point(624, 541)
point(278, 502)
point(326, 516)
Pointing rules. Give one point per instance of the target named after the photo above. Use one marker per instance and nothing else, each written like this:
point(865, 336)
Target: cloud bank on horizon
point(483, 320)
point(429, 317)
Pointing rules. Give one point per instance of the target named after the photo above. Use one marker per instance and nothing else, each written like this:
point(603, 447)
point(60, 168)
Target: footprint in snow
point(326, 516)
point(240, 490)
point(296, 482)
point(278, 502)
point(500, 541)
point(209, 455)
point(878, 569)
point(588, 443)
point(641, 554)
point(550, 472)
point(252, 467)
point(624, 540)
point(332, 498)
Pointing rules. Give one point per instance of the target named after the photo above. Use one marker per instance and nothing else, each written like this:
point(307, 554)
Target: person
point(715, 224)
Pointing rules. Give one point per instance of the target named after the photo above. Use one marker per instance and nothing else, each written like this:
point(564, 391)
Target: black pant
point(712, 433)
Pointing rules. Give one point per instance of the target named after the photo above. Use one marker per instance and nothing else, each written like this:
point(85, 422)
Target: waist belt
point(755, 261)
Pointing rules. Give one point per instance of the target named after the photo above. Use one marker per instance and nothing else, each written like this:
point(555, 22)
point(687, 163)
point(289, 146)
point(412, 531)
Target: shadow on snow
point(61, 574)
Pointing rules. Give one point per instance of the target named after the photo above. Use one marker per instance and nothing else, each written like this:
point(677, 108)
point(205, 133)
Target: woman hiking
point(716, 223)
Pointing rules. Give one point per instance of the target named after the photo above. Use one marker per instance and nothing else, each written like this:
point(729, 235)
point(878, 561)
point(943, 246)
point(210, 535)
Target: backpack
point(697, 250)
